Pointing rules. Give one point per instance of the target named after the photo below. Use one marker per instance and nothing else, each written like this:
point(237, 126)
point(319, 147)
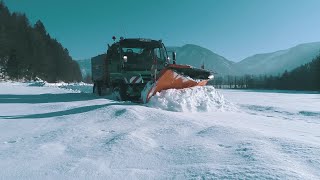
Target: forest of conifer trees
point(305, 77)
point(27, 51)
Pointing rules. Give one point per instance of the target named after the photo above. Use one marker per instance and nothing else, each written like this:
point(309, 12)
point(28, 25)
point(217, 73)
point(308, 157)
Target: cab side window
point(159, 54)
point(113, 53)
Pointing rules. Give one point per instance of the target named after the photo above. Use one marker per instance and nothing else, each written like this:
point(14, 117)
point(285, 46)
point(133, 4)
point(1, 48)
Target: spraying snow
point(195, 99)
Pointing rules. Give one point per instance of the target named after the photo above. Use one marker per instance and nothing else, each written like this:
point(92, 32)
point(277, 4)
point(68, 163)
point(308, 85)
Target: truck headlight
point(125, 58)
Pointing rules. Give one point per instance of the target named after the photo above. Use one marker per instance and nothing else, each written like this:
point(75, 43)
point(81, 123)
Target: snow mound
point(37, 83)
point(77, 87)
point(195, 99)
point(80, 87)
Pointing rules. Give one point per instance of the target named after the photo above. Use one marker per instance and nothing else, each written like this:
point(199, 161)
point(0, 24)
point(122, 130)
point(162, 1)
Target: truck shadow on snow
point(46, 98)
point(73, 111)
point(52, 98)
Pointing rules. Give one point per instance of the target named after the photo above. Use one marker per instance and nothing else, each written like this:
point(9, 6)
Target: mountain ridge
point(277, 62)
point(272, 63)
point(212, 61)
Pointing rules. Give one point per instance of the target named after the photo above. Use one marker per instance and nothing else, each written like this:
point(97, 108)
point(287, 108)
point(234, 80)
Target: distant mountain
point(188, 54)
point(195, 55)
point(267, 63)
point(279, 61)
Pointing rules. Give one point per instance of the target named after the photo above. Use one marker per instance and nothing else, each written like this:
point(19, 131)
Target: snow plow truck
point(136, 69)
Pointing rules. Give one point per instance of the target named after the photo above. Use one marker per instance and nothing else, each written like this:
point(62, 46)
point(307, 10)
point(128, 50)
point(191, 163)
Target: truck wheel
point(116, 94)
point(97, 87)
point(94, 88)
point(119, 92)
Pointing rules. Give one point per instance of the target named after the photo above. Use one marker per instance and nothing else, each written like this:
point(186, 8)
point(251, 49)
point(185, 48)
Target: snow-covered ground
point(53, 131)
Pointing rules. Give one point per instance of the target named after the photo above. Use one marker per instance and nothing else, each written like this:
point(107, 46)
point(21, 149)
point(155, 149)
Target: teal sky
point(234, 29)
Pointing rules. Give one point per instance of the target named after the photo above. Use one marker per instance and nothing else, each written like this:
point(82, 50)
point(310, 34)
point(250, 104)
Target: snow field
point(49, 132)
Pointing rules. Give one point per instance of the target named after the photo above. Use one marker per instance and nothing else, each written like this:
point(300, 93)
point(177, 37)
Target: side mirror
point(174, 54)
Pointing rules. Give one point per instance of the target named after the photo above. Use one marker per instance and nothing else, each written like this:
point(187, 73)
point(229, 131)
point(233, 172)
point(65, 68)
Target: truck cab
point(128, 65)
point(136, 69)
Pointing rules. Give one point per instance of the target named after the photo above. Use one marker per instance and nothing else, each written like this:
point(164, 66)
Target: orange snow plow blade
point(178, 77)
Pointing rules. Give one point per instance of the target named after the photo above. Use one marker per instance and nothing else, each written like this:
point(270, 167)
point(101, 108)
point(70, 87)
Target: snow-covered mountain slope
point(58, 131)
point(188, 54)
point(267, 63)
point(85, 67)
point(195, 55)
point(277, 62)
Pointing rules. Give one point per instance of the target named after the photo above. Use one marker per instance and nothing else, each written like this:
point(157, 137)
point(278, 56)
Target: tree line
point(305, 77)
point(27, 52)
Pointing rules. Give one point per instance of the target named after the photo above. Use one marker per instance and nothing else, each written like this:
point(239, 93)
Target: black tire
point(94, 88)
point(120, 92)
point(99, 87)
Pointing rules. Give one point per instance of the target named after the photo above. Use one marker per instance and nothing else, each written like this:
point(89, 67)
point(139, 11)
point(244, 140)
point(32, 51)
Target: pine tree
point(29, 52)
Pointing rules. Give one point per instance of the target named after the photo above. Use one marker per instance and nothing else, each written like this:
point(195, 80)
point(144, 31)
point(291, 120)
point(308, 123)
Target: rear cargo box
point(98, 67)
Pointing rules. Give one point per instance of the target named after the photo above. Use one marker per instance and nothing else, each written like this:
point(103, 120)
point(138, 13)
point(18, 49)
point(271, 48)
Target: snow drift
point(195, 99)
point(80, 87)
point(49, 132)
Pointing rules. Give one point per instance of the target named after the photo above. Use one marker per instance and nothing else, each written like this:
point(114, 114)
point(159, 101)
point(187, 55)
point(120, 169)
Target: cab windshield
point(141, 54)
point(146, 53)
